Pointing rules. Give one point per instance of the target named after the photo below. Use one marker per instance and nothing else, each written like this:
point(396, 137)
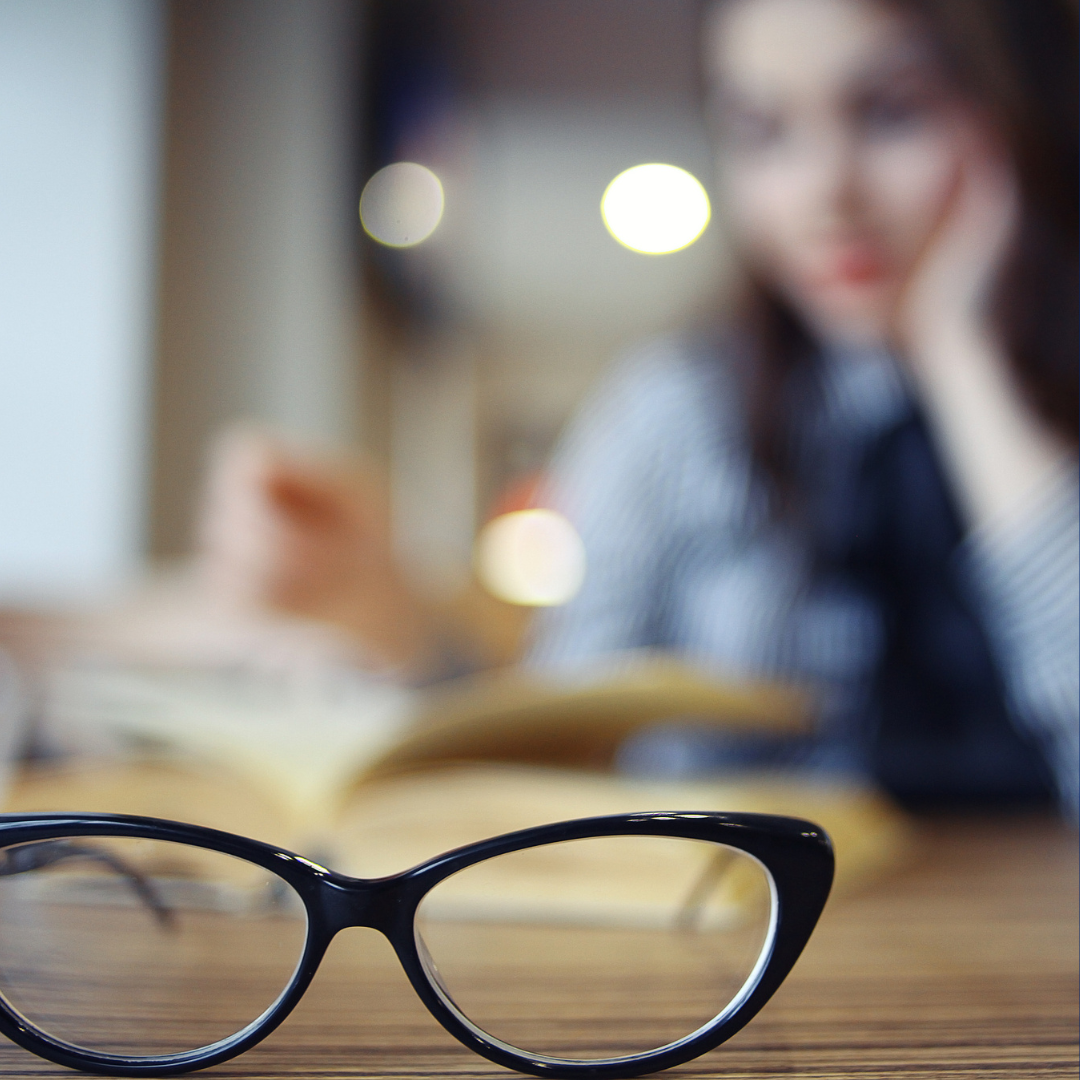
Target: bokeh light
point(531, 557)
point(655, 208)
point(402, 204)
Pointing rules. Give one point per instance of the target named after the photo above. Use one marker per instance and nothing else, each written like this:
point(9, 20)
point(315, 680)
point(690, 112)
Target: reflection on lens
point(598, 948)
point(142, 947)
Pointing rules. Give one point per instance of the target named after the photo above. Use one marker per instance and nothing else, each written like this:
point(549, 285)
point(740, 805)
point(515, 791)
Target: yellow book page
point(306, 746)
point(394, 823)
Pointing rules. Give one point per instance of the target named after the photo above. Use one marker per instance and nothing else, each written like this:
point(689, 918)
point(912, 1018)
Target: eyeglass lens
point(597, 948)
point(105, 942)
point(578, 950)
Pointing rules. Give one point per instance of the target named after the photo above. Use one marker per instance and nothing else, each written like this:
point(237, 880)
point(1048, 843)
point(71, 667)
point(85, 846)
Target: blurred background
point(184, 247)
point(182, 250)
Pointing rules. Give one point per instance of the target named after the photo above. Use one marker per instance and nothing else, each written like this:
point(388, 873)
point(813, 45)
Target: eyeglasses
point(605, 947)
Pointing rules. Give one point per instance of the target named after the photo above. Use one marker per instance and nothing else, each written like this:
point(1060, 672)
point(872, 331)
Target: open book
point(372, 778)
point(308, 742)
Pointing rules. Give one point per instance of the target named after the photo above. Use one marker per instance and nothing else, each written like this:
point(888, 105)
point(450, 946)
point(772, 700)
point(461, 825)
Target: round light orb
point(655, 209)
point(402, 204)
point(533, 558)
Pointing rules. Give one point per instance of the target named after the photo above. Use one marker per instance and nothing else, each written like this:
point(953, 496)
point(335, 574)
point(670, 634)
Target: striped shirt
point(684, 555)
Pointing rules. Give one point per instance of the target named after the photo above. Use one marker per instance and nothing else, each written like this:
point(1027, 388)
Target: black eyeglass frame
point(797, 855)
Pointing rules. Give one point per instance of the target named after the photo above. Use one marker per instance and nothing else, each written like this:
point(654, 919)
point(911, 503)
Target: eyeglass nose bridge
point(383, 904)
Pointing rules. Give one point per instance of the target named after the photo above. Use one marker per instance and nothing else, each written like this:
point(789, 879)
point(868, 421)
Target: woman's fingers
point(953, 279)
point(282, 531)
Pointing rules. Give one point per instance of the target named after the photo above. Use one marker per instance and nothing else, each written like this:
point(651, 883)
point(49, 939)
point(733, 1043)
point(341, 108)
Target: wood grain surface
point(962, 965)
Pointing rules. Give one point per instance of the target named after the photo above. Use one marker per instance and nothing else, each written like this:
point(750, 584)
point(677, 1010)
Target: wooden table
point(964, 965)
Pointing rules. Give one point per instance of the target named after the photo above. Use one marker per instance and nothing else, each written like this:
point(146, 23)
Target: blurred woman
point(868, 480)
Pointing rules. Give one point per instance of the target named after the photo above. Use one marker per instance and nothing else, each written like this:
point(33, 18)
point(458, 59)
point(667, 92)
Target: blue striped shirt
point(684, 555)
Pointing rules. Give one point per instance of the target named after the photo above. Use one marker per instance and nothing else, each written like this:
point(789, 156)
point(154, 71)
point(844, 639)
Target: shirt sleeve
point(652, 460)
point(1029, 584)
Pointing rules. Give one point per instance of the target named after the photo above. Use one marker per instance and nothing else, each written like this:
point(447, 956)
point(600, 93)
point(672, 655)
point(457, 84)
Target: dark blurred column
point(259, 283)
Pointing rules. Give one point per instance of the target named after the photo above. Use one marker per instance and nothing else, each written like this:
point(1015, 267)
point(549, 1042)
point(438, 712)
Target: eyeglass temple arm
point(715, 870)
point(37, 856)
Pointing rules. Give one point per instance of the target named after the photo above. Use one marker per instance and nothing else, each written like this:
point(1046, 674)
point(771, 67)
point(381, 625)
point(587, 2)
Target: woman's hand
point(999, 451)
point(281, 531)
point(946, 302)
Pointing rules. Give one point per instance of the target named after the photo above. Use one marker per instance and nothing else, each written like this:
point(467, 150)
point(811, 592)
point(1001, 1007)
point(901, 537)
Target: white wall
point(523, 247)
point(523, 265)
point(80, 103)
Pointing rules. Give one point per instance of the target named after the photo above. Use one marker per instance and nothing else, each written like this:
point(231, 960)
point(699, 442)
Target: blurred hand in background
point(287, 531)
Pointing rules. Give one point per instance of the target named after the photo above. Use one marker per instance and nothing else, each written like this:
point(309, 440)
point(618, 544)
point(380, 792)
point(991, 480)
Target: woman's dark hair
point(1018, 60)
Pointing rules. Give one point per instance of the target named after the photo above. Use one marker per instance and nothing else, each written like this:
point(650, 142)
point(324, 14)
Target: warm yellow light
point(402, 204)
point(655, 209)
point(531, 557)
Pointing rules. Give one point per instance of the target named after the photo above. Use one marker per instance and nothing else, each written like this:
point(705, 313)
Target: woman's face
point(842, 146)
